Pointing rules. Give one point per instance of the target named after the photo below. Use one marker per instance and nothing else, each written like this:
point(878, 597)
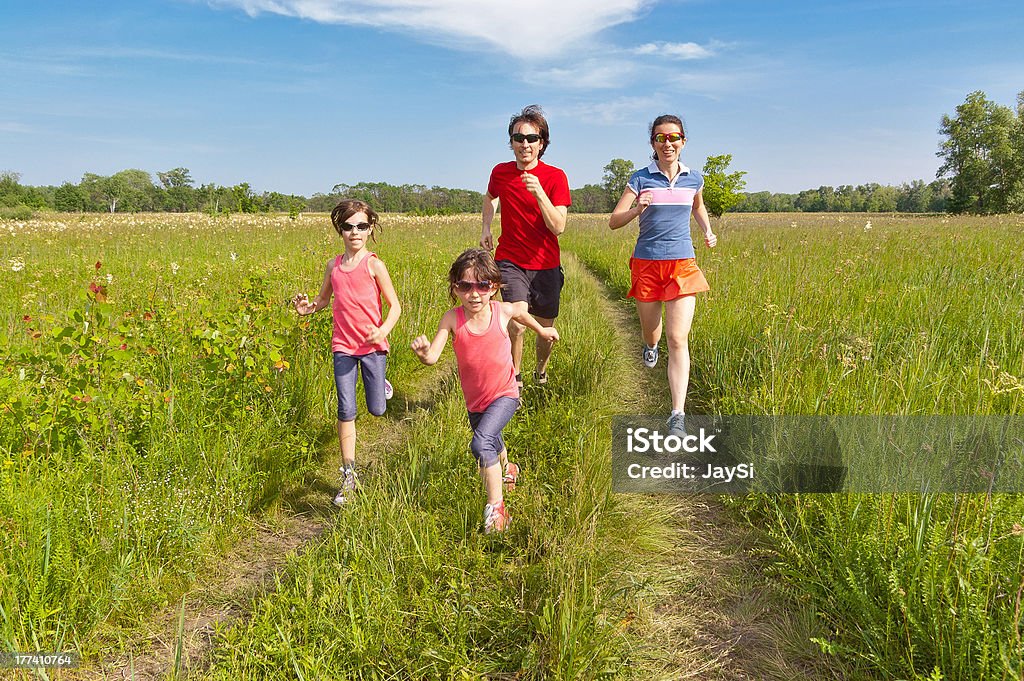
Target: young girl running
point(483, 351)
point(663, 268)
point(357, 279)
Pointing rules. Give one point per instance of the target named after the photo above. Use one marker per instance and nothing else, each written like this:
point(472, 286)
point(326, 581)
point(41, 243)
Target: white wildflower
point(174, 268)
point(17, 264)
point(234, 256)
point(110, 278)
point(867, 226)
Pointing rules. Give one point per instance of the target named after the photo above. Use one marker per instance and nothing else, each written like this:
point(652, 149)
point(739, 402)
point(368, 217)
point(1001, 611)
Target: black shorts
point(540, 289)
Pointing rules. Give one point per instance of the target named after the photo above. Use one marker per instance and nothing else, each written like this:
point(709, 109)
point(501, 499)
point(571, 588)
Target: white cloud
point(675, 50)
point(525, 28)
point(589, 74)
point(615, 111)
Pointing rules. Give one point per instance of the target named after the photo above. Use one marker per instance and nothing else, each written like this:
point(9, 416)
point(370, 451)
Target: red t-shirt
point(525, 240)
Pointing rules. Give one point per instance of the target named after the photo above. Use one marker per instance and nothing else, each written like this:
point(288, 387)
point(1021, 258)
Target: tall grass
point(406, 586)
point(855, 314)
point(146, 425)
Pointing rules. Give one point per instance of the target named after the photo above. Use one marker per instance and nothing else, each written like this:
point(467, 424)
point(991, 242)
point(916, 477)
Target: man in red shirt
point(534, 199)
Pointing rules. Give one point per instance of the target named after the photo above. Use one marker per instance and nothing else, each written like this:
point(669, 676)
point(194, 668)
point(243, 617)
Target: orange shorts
point(658, 280)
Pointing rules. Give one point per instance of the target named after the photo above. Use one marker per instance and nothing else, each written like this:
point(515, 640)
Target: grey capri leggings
point(346, 367)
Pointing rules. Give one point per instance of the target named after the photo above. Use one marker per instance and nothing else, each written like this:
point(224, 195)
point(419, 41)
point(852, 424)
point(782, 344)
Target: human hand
point(532, 184)
point(420, 345)
point(710, 239)
point(549, 333)
point(486, 240)
point(644, 200)
point(374, 335)
point(302, 304)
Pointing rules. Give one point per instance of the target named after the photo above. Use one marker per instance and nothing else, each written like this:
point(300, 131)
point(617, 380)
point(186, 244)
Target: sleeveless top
point(356, 306)
point(485, 361)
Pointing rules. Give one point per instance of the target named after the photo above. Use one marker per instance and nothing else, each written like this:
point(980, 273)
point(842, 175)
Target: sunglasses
point(463, 286)
point(661, 137)
point(520, 137)
point(360, 227)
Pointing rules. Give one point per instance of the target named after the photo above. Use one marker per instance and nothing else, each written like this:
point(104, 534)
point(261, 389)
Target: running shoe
point(389, 390)
point(510, 477)
point(349, 484)
point(677, 424)
point(650, 356)
point(496, 518)
point(540, 378)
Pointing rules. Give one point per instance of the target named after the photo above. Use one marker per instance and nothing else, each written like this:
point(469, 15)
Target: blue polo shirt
point(665, 224)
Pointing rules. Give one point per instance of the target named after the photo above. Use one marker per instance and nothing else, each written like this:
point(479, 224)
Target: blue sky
point(298, 95)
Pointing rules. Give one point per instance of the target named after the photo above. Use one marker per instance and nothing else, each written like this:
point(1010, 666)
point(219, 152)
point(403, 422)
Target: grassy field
point(851, 314)
point(158, 399)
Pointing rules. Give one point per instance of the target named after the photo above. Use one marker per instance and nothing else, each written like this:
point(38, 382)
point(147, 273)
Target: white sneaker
point(650, 356)
point(349, 484)
point(389, 390)
point(677, 424)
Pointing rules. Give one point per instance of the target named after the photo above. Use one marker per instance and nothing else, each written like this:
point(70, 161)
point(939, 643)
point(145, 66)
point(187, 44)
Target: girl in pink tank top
point(356, 279)
point(483, 351)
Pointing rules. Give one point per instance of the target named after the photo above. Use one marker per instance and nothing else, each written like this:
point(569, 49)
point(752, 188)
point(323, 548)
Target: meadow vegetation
point(158, 398)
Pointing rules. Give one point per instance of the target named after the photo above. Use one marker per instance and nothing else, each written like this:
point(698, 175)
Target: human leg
point(345, 367)
point(374, 368)
point(678, 319)
point(488, 446)
point(545, 297)
point(650, 321)
point(515, 290)
point(543, 347)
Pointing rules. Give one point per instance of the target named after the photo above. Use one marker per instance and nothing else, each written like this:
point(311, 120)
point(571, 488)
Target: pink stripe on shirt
point(681, 196)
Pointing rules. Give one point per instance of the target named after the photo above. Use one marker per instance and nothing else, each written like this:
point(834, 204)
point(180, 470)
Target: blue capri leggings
point(345, 371)
point(487, 426)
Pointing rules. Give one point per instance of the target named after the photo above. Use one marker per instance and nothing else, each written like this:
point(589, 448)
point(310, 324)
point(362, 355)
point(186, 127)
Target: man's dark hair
point(533, 115)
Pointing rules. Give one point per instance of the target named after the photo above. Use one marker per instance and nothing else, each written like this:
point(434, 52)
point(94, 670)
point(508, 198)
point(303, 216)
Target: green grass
point(849, 314)
point(406, 586)
point(125, 472)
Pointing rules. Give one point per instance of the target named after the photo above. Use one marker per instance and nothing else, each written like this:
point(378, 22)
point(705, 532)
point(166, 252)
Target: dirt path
point(717, 615)
point(225, 593)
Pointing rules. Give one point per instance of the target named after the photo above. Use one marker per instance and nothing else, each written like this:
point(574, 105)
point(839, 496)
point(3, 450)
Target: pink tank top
point(485, 361)
point(356, 306)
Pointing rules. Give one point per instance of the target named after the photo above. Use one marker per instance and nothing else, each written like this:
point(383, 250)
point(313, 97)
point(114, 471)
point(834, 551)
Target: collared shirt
point(665, 224)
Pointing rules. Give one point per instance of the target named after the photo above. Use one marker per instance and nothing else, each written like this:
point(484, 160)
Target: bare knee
point(678, 342)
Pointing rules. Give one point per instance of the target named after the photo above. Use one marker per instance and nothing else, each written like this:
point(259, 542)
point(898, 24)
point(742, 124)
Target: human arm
point(625, 211)
point(700, 214)
point(554, 216)
point(487, 217)
point(304, 306)
point(377, 334)
point(510, 311)
point(430, 351)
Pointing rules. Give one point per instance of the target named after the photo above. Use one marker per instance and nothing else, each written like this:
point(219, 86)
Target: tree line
point(982, 172)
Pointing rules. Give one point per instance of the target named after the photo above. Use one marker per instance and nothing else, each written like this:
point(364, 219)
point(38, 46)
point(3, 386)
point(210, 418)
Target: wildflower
point(98, 264)
point(17, 264)
point(867, 227)
point(98, 292)
point(110, 278)
point(234, 256)
point(174, 268)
